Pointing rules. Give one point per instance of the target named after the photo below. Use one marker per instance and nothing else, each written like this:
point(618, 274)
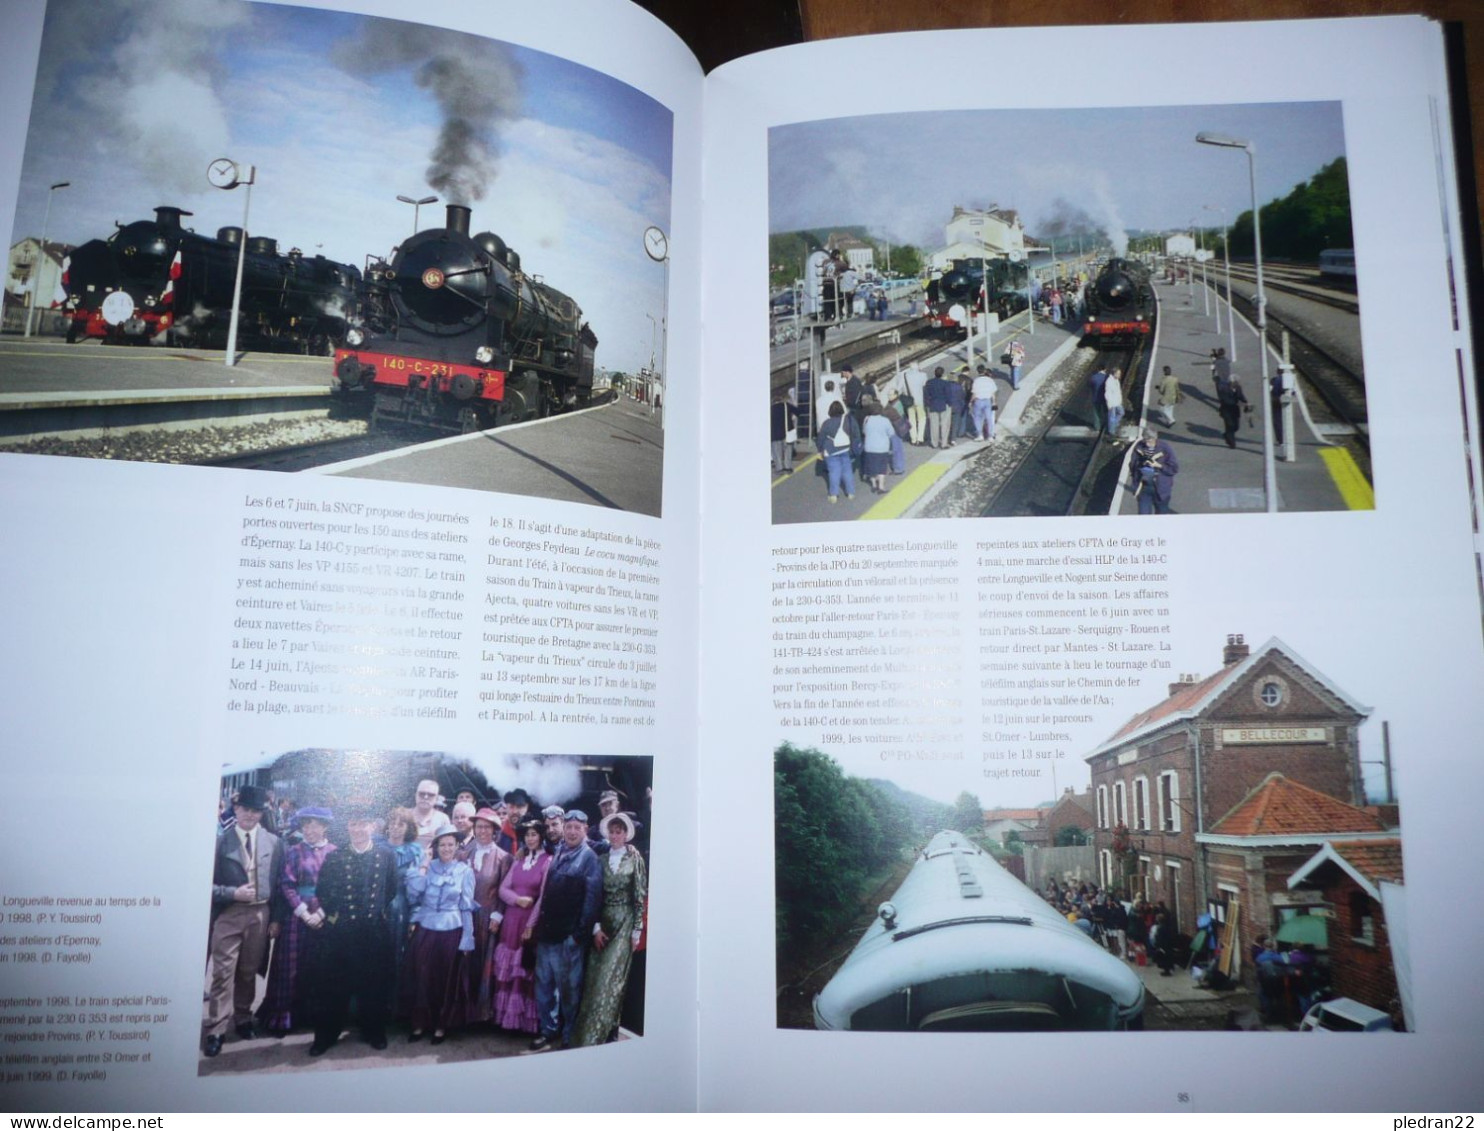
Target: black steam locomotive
point(458, 337)
point(1120, 304)
point(963, 284)
point(157, 281)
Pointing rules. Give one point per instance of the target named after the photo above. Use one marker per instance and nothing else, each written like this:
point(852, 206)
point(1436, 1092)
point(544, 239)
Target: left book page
point(350, 555)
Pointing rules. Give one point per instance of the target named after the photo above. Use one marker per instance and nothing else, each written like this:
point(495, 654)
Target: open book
point(1067, 727)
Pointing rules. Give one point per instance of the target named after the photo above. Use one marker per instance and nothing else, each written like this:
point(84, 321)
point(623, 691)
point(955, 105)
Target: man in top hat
point(249, 860)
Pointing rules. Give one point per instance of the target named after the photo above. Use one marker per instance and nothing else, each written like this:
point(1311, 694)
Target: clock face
point(655, 244)
point(222, 173)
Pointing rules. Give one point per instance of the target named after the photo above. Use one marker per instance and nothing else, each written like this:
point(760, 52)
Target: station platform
point(801, 495)
point(1213, 478)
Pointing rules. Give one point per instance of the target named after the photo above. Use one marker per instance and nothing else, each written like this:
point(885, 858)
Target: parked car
point(1344, 1015)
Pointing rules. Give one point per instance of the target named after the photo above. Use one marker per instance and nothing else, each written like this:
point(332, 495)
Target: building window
point(1105, 868)
point(1141, 802)
point(1169, 801)
point(1120, 803)
point(1103, 821)
point(1362, 922)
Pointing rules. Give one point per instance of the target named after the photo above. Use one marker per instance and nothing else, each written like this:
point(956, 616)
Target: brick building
point(1072, 810)
point(1173, 771)
point(1253, 852)
point(1360, 884)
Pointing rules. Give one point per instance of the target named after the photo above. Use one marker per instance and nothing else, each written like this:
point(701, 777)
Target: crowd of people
point(491, 913)
point(1127, 927)
point(1289, 976)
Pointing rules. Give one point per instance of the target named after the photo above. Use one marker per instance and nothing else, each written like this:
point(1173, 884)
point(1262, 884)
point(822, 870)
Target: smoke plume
point(477, 86)
point(148, 74)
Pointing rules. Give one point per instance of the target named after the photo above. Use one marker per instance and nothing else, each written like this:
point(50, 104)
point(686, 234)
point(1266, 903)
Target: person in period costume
point(509, 984)
point(352, 956)
point(512, 814)
point(490, 864)
point(615, 935)
point(249, 860)
point(569, 910)
point(285, 1003)
point(401, 836)
point(442, 904)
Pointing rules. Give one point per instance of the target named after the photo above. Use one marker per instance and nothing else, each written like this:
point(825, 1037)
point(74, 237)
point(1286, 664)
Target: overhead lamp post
point(1269, 471)
point(1226, 252)
point(417, 205)
point(40, 255)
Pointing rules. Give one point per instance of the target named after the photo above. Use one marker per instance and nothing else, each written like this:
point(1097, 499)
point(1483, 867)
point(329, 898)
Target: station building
point(1166, 780)
point(972, 233)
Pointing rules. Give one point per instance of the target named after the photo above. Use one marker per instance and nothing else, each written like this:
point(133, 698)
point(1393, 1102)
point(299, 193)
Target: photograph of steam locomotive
point(960, 329)
point(379, 908)
point(423, 233)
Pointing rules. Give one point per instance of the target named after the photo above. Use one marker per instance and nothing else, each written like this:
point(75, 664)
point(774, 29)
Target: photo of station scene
point(1219, 860)
point(1064, 322)
point(301, 239)
point(375, 908)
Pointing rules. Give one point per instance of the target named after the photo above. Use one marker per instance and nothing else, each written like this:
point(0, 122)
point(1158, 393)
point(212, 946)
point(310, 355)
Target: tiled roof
point(1190, 699)
point(1032, 815)
point(1380, 860)
point(1184, 699)
point(1280, 807)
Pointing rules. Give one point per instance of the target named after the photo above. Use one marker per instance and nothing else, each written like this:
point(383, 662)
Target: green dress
point(624, 890)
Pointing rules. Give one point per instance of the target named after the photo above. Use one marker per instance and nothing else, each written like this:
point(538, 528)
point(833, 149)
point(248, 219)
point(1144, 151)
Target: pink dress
point(512, 986)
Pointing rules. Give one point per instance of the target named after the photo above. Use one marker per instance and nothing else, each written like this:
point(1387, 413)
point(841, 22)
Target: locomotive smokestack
point(458, 218)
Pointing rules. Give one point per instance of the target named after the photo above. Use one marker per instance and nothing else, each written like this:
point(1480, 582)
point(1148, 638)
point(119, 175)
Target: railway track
point(1334, 391)
point(1067, 466)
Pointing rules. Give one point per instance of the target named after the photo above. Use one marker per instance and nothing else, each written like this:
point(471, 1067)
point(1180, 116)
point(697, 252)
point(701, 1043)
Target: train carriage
point(963, 946)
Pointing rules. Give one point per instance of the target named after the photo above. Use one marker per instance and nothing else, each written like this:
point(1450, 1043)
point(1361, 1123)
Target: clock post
point(657, 247)
point(225, 173)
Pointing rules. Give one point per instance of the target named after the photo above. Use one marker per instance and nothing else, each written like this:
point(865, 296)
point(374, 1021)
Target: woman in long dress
point(620, 923)
point(508, 982)
point(286, 999)
point(442, 903)
point(489, 863)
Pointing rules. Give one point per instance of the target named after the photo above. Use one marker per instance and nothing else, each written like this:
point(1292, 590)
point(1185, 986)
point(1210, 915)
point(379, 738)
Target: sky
point(341, 114)
point(900, 175)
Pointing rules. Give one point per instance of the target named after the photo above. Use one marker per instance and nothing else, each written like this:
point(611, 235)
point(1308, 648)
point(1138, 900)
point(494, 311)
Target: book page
point(349, 521)
point(1099, 669)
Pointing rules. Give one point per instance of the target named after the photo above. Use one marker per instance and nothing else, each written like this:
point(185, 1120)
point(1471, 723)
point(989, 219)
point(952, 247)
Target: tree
point(1013, 844)
point(906, 260)
point(1070, 836)
point(968, 814)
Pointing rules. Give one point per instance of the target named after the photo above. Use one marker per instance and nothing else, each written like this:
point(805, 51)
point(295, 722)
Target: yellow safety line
point(798, 467)
point(907, 492)
point(1353, 486)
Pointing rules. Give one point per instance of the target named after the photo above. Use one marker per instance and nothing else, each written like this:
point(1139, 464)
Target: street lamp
point(417, 207)
point(1269, 471)
point(40, 255)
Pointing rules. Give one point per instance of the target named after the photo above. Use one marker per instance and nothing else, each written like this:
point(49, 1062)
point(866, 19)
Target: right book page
point(1085, 664)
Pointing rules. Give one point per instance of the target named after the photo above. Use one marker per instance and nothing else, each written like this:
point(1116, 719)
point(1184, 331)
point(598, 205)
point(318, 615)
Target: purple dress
point(506, 976)
point(285, 1001)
